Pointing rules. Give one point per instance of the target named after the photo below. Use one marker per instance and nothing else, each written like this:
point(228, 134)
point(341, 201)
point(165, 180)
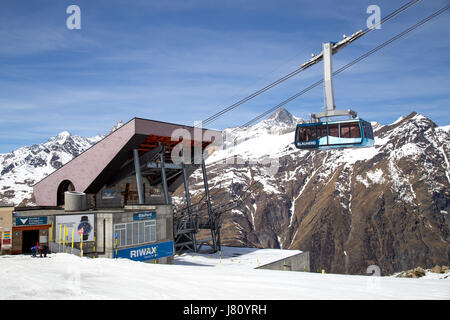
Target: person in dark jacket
point(43, 250)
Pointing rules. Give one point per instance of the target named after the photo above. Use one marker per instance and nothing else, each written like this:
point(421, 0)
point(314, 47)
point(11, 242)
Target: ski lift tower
point(330, 108)
point(328, 49)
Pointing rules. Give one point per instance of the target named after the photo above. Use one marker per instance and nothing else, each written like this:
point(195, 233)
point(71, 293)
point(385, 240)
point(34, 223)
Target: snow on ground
point(431, 275)
point(64, 276)
point(265, 145)
point(235, 257)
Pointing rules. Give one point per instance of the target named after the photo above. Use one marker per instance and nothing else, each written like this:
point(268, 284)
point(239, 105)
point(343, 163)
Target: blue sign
point(109, 194)
point(30, 221)
point(146, 215)
point(147, 252)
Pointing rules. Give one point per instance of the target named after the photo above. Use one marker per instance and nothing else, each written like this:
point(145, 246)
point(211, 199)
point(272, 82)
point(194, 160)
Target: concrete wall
point(298, 262)
point(105, 241)
point(104, 222)
point(164, 228)
point(5, 225)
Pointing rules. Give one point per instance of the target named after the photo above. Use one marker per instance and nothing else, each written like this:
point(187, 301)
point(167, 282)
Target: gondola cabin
point(353, 133)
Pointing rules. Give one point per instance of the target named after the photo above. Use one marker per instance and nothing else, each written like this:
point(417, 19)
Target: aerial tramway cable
point(302, 68)
point(379, 47)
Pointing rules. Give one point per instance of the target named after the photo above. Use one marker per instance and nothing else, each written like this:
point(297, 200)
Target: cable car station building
point(114, 199)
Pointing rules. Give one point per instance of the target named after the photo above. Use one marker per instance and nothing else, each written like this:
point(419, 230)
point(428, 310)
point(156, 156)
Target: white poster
point(72, 224)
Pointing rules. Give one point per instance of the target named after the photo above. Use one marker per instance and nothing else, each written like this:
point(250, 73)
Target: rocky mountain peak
point(64, 134)
point(116, 126)
point(419, 120)
point(350, 208)
point(283, 116)
point(410, 126)
point(61, 137)
point(20, 169)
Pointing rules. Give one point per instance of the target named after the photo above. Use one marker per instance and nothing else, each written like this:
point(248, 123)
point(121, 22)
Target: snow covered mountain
point(22, 168)
point(386, 205)
point(278, 123)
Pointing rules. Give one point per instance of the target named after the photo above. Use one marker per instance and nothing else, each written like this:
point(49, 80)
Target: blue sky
point(182, 61)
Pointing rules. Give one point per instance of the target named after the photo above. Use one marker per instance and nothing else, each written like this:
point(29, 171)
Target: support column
point(328, 76)
point(163, 175)
point(186, 189)
point(186, 183)
point(212, 220)
point(192, 220)
point(137, 168)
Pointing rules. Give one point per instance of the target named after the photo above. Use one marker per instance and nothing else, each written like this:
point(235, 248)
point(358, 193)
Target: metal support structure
point(163, 174)
point(188, 202)
point(186, 189)
point(212, 219)
point(137, 168)
point(330, 108)
point(328, 76)
point(129, 169)
point(155, 165)
point(189, 220)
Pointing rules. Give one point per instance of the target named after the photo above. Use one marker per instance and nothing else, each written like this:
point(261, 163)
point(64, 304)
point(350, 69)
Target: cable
point(347, 65)
point(295, 72)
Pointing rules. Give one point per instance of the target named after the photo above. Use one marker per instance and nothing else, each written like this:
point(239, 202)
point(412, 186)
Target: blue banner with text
point(147, 252)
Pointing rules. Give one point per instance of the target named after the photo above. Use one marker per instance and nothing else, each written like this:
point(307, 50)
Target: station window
point(133, 233)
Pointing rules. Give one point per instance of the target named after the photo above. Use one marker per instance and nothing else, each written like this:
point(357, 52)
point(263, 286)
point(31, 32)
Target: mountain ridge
point(349, 208)
point(22, 168)
point(386, 205)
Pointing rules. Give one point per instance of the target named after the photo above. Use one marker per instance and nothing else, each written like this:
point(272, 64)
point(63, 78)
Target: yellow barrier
point(67, 237)
point(81, 245)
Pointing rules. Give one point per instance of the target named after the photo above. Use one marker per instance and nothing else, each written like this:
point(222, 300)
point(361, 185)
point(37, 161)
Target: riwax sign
point(145, 215)
point(30, 221)
point(147, 252)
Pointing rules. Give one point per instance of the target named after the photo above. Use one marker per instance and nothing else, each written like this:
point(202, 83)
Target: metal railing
point(60, 248)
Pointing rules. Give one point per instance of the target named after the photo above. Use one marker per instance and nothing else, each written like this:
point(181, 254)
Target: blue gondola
point(334, 134)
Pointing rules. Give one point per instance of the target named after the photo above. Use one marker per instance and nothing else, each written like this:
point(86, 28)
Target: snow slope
point(235, 257)
point(65, 276)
